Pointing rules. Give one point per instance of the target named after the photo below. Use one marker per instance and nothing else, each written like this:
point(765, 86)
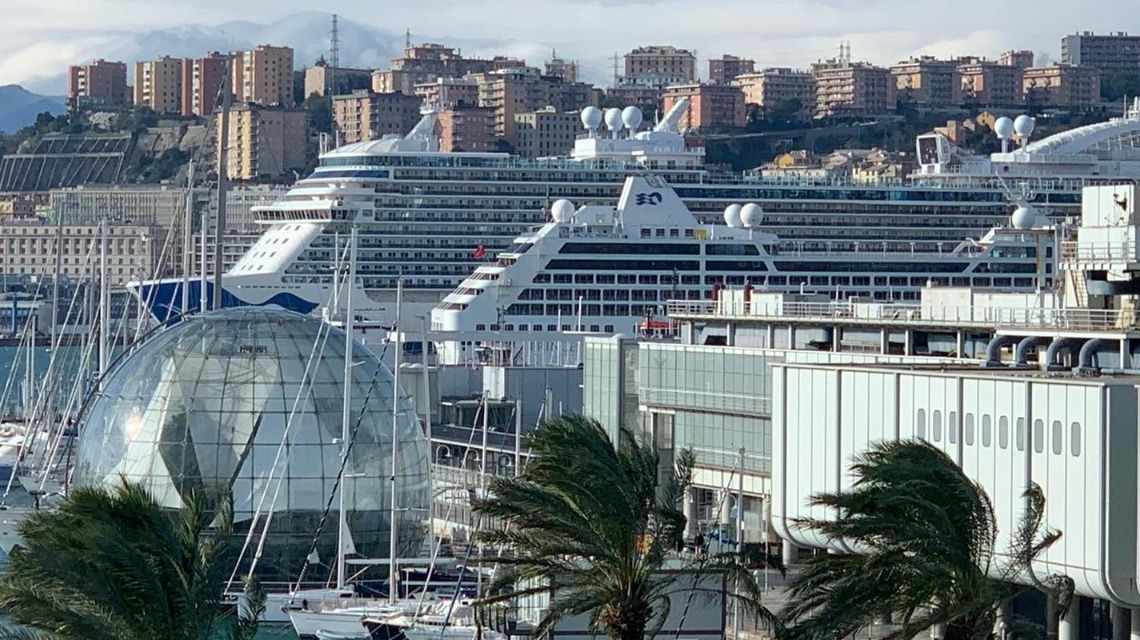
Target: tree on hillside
point(115, 565)
point(926, 534)
point(594, 521)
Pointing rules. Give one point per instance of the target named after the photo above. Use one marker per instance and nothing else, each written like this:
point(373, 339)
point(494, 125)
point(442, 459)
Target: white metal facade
point(1075, 437)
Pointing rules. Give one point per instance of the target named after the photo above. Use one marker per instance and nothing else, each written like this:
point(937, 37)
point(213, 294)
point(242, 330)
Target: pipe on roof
point(1052, 358)
point(993, 350)
point(1021, 353)
point(1090, 349)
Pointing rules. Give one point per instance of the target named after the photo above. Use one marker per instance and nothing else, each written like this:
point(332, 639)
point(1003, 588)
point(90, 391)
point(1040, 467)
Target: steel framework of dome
point(249, 401)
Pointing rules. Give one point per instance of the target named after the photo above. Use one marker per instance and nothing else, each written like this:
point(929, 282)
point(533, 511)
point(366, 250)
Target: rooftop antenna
point(615, 69)
point(335, 61)
point(408, 38)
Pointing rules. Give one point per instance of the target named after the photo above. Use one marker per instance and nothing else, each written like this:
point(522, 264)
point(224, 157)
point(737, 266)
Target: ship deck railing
point(994, 318)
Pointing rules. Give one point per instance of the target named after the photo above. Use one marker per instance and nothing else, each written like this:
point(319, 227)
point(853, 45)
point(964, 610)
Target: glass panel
point(920, 424)
point(936, 425)
point(1039, 435)
point(1019, 435)
point(987, 430)
point(1075, 439)
point(968, 430)
point(1058, 437)
point(1003, 432)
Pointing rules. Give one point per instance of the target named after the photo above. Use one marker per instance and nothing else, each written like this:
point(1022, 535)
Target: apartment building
point(1062, 85)
point(426, 62)
point(29, 248)
point(564, 70)
point(990, 84)
point(467, 128)
point(1111, 53)
point(712, 106)
point(322, 78)
point(844, 88)
point(100, 82)
point(264, 142)
point(928, 82)
point(1022, 59)
point(202, 80)
point(365, 115)
point(264, 76)
point(120, 204)
point(449, 92)
point(660, 66)
point(546, 132)
point(777, 86)
point(724, 69)
point(17, 205)
point(158, 84)
point(525, 89)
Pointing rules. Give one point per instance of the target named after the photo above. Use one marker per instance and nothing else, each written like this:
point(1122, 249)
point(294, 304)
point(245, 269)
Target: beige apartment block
point(467, 129)
point(775, 86)
point(724, 69)
point(990, 84)
point(202, 80)
point(546, 132)
point(100, 82)
point(158, 84)
point(853, 89)
point(364, 115)
point(1108, 53)
point(449, 92)
point(928, 81)
point(712, 106)
point(29, 249)
point(321, 78)
point(264, 142)
point(264, 76)
point(564, 70)
point(660, 66)
point(1062, 85)
point(1022, 59)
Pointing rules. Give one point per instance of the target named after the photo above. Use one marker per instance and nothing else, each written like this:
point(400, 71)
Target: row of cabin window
point(1020, 437)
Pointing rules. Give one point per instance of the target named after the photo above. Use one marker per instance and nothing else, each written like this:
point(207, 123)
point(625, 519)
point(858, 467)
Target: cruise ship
point(430, 218)
point(606, 269)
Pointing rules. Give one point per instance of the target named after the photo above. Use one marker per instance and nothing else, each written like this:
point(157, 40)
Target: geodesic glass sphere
point(249, 401)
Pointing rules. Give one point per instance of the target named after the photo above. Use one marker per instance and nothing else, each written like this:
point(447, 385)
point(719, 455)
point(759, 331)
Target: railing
point(725, 460)
point(1077, 251)
point(1033, 318)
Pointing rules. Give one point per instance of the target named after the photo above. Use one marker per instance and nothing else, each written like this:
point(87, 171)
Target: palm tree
point(116, 565)
point(925, 534)
point(592, 524)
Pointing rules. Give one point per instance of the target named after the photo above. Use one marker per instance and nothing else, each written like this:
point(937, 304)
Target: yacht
point(611, 269)
point(429, 218)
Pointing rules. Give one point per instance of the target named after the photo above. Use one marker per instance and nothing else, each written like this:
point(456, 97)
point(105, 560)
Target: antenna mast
point(334, 38)
point(615, 69)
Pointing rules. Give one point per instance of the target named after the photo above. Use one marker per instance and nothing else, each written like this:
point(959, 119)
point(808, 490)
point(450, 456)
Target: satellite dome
point(751, 215)
point(562, 210)
point(206, 405)
point(1023, 125)
point(732, 215)
point(613, 119)
point(591, 117)
point(631, 117)
point(1003, 127)
point(1024, 217)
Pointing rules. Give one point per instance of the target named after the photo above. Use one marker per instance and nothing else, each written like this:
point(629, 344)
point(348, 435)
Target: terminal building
point(776, 393)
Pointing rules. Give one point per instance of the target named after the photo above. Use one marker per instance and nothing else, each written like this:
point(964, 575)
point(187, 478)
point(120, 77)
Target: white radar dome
point(732, 215)
point(631, 117)
point(1003, 127)
point(591, 117)
point(613, 119)
point(751, 215)
point(562, 210)
point(1024, 217)
point(1023, 125)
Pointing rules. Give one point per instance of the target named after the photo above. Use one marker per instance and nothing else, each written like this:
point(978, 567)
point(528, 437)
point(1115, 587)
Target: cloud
point(774, 33)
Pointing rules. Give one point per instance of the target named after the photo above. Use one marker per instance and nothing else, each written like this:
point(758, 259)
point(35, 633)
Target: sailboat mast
point(223, 182)
point(346, 415)
point(393, 547)
point(104, 303)
point(187, 238)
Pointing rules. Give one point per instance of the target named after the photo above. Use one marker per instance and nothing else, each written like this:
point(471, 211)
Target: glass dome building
point(249, 400)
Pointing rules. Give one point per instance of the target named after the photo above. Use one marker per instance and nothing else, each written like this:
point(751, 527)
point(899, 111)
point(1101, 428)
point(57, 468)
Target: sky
point(39, 38)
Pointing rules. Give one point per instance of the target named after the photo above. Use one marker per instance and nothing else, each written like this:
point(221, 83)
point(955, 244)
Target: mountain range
point(19, 107)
